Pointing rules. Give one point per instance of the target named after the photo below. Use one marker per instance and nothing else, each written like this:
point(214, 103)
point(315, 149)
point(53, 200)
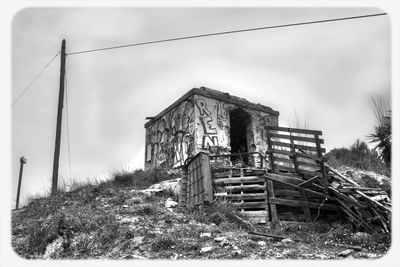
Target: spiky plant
point(382, 136)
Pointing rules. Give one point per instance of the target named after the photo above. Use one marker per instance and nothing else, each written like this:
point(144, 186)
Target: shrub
point(141, 179)
point(68, 222)
point(357, 156)
point(220, 213)
point(162, 243)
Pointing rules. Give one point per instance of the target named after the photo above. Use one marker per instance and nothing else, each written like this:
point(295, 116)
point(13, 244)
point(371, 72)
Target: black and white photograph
point(200, 133)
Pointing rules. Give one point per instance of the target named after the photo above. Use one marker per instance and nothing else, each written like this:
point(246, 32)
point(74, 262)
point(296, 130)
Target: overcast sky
point(325, 73)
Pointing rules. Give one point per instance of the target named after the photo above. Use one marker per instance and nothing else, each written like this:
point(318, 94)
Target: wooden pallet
point(246, 191)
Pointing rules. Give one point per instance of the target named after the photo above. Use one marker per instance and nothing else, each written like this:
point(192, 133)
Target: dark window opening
point(239, 122)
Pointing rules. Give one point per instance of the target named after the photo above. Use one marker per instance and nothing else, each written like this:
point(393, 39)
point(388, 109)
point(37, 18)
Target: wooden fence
point(296, 151)
point(196, 184)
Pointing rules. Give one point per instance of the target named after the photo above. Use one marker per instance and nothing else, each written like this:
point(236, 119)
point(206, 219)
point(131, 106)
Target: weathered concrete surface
point(201, 122)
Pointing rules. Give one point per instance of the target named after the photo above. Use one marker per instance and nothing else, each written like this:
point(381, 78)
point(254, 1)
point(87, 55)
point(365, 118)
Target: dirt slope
point(122, 222)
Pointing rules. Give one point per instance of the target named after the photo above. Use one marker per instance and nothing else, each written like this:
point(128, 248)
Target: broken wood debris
point(366, 207)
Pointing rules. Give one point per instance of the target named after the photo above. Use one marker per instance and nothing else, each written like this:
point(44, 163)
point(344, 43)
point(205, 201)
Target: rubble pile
point(368, 208)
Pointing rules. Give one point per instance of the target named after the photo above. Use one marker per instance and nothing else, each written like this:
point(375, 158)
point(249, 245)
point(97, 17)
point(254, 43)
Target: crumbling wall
point(197, 124)
point(170, 139)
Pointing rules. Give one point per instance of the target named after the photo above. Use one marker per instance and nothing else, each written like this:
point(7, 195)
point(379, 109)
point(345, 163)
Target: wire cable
point(225, 32)
point(34, 79)
point(68, 143)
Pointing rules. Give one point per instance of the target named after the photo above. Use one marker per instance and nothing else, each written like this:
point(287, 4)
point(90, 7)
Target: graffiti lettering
point(207, 126)
point(209, 141)
point(202, 106)
point(170, 139)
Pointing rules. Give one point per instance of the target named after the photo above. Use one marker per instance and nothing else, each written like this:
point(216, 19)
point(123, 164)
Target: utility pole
point(22, 161)
point(59, 119)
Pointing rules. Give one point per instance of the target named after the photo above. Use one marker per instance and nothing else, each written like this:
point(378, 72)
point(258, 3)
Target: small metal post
point(22, 161)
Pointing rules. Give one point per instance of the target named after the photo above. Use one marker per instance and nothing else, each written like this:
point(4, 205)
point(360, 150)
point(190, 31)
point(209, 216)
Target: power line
point(34, 79)
point(226, 32)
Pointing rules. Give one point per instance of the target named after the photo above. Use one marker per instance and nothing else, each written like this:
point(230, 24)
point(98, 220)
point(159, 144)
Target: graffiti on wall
point(264, 121)
point(196, 124)
point(171, 137)
point(213, 123)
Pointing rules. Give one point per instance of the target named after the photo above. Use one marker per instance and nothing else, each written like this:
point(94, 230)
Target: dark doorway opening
point(239, 122)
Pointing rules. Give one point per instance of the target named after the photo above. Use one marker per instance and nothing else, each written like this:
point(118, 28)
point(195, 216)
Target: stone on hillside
point(169, 203)
point(346, 253)
point(262, 243)
point(150, 191)
point(236, 252)
point(173, 184)
point(205, 235)
point(287, 240)
point(206, 249)
point(219, 238)
point(133, 257)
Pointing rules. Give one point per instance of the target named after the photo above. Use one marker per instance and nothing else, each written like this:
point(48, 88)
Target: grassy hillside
point(119, 220)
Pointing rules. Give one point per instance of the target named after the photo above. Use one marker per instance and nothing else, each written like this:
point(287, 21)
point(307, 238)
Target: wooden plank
point(191, 185)
point(309, 164)
point(244, 205)
point(197, 176)
point(295, 138)
point(285, 193)
point(310, 173)
point(294, 130)
point(272, 206)
point(354, 216)
point(240, 196)
point(182, 191)
point(373, 201)
point(302, 147)
point(321, 162)
point(298, 203)
point(269, 152)
point(284, 168)
point(345, 197)
point(244, 187)
point(303, 195)
point(306, 210)
point(285, 178)
point(311, 180)
point(281, 144)
point(285, 160)
point(248, 179)
point(308, 156)
point(266, 199)
point(254, 212)
point(340, 175)
point(294, 186)
point(293, 170)
point(259, 216)
point(207, 178)
point(282, 152)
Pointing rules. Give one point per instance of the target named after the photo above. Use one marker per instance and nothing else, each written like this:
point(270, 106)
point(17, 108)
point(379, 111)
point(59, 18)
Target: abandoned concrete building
point(232, 150)
point(204, 119)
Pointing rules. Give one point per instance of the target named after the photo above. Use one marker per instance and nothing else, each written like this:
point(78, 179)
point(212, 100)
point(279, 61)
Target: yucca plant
point(382, 137)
